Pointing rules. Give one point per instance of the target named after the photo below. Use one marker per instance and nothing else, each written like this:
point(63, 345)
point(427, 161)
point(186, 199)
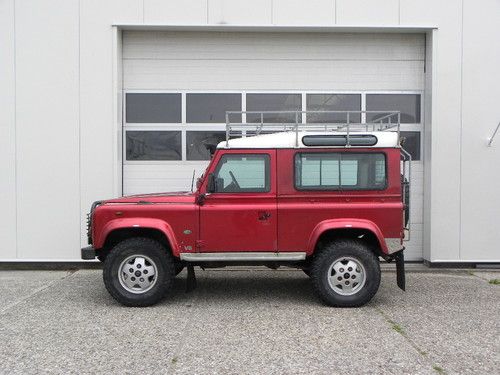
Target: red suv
point(329, 200)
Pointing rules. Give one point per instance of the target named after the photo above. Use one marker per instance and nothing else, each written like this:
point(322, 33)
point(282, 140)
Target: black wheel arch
point(367, 237)
point(118, 235)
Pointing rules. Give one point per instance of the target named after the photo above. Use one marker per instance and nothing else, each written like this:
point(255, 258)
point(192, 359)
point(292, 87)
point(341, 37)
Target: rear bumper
point(88, 253)
point(393, 245)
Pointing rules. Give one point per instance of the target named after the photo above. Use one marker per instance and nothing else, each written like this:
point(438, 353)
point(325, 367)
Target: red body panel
point(234, 221)
point(294, 219)
point(174, 215)
point(303, 215)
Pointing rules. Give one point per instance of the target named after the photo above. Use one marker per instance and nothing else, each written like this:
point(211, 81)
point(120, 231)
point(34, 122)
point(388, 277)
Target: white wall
point(8, 238)
point(46, 129)
point(100, 171)
point(443, 162)
point(480, 165)
point(59, 129)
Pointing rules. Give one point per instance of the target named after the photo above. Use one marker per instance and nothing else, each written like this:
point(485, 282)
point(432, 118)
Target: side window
point(340, 171)
point(243, 173)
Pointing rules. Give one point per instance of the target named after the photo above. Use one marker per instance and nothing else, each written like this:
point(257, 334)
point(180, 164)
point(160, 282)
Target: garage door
point(178, 85)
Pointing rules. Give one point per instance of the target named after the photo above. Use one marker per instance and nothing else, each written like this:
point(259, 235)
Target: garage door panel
point(151, 178)
point(289, 46)
point(154, 186)
point(255, 75)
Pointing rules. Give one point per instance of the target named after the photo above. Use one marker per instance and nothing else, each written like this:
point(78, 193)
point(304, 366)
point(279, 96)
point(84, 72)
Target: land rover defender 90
point(330, 199)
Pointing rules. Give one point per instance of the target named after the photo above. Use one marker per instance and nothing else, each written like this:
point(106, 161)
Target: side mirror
point(211, 183)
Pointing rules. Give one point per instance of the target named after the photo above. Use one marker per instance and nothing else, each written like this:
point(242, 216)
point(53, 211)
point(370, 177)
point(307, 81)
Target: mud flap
point(191, 279)
point(400, 270)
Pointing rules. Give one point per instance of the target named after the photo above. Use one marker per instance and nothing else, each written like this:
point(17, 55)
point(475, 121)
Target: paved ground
point(249, 322)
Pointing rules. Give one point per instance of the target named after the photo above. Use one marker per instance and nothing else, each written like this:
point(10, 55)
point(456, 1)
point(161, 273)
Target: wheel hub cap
point(137, 274)
point(346, 276)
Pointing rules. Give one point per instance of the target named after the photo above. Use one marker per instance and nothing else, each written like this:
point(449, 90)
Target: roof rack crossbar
point(288, 121)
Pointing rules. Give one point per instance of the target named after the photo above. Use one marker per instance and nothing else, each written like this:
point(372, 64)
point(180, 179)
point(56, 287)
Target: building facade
point(116, 97)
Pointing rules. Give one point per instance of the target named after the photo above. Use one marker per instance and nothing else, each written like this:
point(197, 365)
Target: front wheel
point(138, 272)
point(346, 273)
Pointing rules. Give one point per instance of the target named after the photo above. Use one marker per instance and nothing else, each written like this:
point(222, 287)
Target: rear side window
point(340, 171)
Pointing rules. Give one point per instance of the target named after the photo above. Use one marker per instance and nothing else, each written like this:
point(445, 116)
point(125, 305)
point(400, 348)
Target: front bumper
point(88, 253)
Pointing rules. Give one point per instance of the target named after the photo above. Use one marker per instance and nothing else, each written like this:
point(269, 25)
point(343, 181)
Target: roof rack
point(250, 123)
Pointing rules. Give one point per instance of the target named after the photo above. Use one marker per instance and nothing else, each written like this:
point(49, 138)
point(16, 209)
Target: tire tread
point(338, 248)
point(160, 290)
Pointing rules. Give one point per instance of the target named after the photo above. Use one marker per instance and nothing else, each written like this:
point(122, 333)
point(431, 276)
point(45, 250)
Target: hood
point(170, 197)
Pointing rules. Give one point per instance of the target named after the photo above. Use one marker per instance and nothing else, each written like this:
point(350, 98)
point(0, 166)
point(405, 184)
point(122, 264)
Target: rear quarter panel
point(301, 212)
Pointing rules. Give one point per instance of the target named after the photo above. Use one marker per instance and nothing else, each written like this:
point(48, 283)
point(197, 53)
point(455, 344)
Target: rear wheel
point(346, 273)
point(138, 272)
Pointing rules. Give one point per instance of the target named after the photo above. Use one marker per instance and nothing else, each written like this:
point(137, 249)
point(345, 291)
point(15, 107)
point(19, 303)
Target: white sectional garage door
point(177, 86)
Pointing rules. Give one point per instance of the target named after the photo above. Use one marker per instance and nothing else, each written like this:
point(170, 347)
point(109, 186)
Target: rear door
point(242, 214)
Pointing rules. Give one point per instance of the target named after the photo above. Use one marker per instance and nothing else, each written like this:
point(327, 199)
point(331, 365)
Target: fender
point(345, 224)
point(138, 222)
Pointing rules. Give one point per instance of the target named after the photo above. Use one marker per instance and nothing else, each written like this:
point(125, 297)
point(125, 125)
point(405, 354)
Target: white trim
point(284, 28)
point(183, 145)
point(363, 107)
point(303, 103)
point(183, 107)
point(117, 125)
point(244, 106)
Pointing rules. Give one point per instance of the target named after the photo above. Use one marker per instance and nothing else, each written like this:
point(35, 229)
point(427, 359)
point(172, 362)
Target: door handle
point(263, 215)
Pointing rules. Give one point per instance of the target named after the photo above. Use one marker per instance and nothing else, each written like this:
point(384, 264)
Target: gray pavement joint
point(477, 276)
point(400, 329)
point(35, 292)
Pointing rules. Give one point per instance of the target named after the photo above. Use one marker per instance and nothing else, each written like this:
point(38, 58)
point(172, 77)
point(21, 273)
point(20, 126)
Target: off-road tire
point(139, 246)
point(331, 253)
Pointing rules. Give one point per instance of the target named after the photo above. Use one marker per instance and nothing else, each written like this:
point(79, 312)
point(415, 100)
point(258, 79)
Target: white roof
point(385, 139)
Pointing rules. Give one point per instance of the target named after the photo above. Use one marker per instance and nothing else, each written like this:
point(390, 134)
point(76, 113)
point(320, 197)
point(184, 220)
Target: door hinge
point(199, 244)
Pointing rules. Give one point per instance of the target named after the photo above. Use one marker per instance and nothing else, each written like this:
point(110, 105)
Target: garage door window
point(333, 102)
point(211, 108)
point(197, 142)
point(153, 108)
point(411, 143)
point(199, 117)
point(408, 104)
point(153, 145)
point(273, 102)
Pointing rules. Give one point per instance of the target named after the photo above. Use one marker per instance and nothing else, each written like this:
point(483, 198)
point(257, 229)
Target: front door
point(241, 215)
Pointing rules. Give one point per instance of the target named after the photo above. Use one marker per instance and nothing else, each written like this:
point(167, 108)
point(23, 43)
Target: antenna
point(192, 180)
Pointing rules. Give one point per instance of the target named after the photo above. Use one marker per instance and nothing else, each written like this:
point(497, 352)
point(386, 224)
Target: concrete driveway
point(249, 322)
